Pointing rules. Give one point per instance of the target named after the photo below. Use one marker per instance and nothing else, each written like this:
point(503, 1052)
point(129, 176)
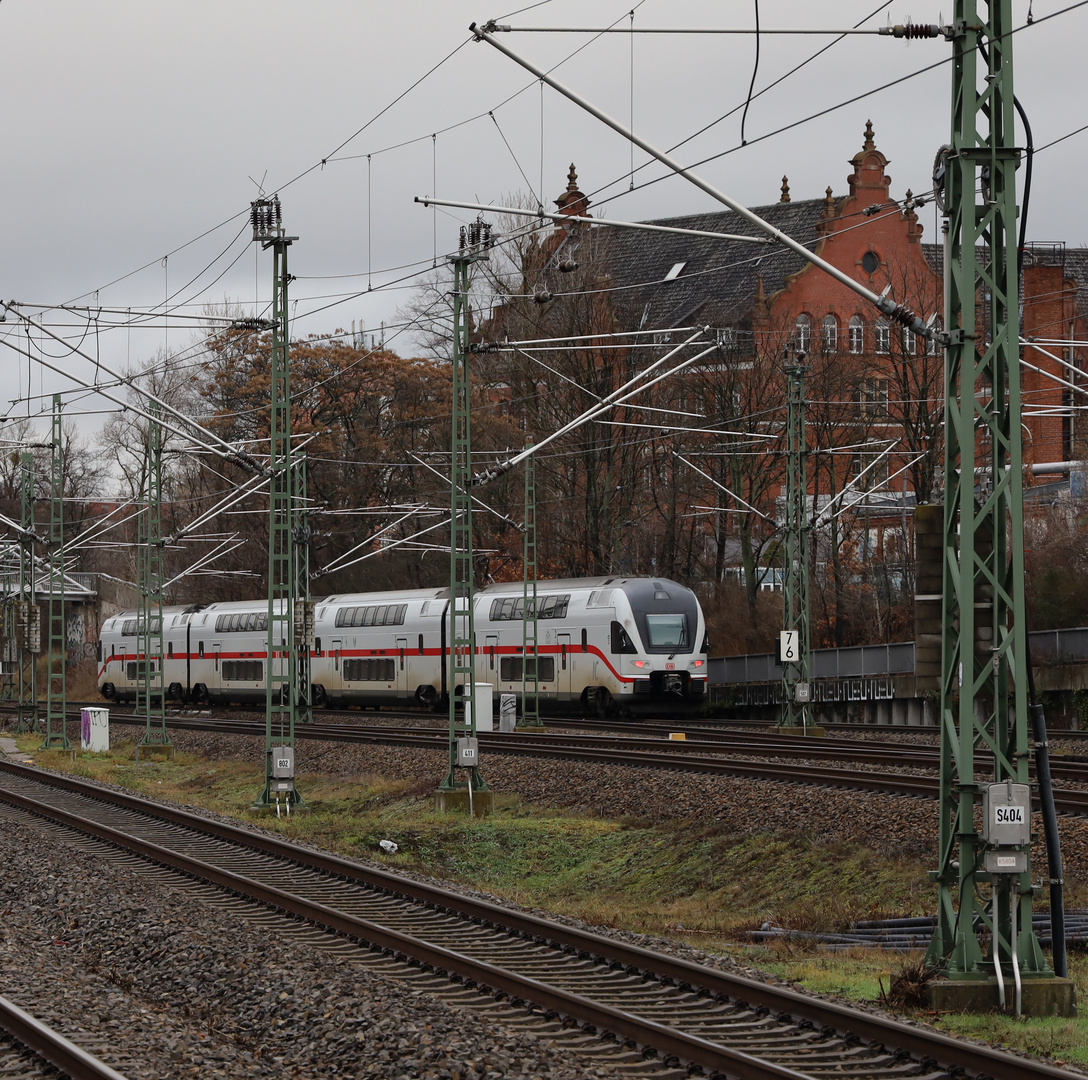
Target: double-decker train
point(605, 645)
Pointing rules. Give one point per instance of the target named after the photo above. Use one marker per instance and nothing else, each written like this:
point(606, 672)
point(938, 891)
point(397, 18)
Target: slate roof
point(717, 285)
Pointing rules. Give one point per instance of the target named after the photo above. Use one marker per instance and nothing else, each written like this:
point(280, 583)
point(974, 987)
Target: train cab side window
point(169, 649)
point(706, 643)
point(420, 644)
point(585, 640)
point(621, 640)
point(317, 645)
point(200, 648)
point(98, 650)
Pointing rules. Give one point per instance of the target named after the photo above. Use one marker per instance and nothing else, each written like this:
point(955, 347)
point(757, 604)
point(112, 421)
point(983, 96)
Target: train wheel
point(200, 693)
point(174, 692)
point(427, 695)
point(602, 702)
point(320, 697)
point(109, 691)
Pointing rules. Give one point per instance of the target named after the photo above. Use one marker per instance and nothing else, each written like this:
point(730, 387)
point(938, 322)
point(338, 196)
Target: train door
point(336, 667)
point(215, 669)
point(402, 666)
point(564, 663)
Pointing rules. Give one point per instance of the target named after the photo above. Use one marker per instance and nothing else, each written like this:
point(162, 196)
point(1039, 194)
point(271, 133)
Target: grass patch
point(694, 881)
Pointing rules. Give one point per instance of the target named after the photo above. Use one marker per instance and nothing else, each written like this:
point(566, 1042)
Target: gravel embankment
point(161, 985)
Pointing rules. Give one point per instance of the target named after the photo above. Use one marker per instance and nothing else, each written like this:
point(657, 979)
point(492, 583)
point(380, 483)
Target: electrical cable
point(752, 84)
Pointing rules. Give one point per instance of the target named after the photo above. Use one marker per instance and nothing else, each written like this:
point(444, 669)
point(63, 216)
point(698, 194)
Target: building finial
point(869, 143)
point(572, 201)
point(785, 190)
point(829, 199)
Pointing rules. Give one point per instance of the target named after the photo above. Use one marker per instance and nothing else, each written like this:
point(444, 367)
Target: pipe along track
point(680, 1012)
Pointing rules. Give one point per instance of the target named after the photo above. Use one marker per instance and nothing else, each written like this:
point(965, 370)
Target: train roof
point(386, 595)
point(514, 588)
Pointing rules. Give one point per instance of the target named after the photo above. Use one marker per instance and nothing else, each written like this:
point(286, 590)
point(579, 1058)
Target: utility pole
point(794, 642)
point(150, 691)
point(530, 676)
point(30, 619)
point(463, 747)
point(984, 877)
point(56, 702)
point(281, 683)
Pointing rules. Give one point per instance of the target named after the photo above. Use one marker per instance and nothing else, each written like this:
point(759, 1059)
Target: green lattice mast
point(30, 621)
point(56, 701)
point(150, 689)
point(795, 681)
point(530, 677)
point(281, 683)
point(475, 242)
point(984, 676)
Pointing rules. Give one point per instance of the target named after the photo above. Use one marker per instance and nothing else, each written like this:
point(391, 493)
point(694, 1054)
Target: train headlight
point(697, 665)
point(641, 665)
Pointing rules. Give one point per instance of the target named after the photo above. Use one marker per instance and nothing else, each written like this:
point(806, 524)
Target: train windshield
point(667, 631)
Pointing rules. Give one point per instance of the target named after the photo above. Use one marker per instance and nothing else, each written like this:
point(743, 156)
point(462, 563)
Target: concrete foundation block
point(1040, 997)
point(455, 800)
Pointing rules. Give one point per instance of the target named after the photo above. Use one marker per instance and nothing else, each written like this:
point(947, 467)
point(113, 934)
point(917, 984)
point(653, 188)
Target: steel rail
point(941, 1049)
point(487, 977)
point(667, 754)
point(52, 1046)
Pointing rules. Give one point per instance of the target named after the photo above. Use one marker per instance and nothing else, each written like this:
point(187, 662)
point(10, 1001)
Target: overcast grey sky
point(134, 133)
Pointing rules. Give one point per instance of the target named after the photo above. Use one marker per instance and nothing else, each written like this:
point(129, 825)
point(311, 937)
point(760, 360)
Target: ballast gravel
point(161, 985)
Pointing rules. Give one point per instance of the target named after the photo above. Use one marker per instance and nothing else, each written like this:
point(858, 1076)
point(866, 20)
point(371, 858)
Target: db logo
point(670, 667)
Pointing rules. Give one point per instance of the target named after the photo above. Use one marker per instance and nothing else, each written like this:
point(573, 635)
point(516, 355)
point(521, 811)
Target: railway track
point(709, 753)
point(33, 1048)
point(653, 1011)
point(709, 757)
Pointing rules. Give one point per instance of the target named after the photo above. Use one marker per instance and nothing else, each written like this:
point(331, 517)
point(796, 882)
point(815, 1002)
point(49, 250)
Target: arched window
point(803, 333)
point(857, 334)
point(910, 341)
point(831, 334)
point(883, 336)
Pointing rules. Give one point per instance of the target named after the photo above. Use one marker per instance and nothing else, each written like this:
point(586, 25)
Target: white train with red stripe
point(603, 644)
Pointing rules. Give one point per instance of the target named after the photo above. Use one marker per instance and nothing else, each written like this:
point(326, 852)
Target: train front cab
point(660, 647)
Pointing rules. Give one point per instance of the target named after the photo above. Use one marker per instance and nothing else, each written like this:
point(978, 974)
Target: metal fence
point(861, 661)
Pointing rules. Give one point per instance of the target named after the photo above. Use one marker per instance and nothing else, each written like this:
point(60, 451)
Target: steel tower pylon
point(281, 683)
point(29, 619)
point(304, 607)
point(983, 671)
point(530, 677)
point(795, 680)
point(150, 690)
point(474, 245)
point(56, 701)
